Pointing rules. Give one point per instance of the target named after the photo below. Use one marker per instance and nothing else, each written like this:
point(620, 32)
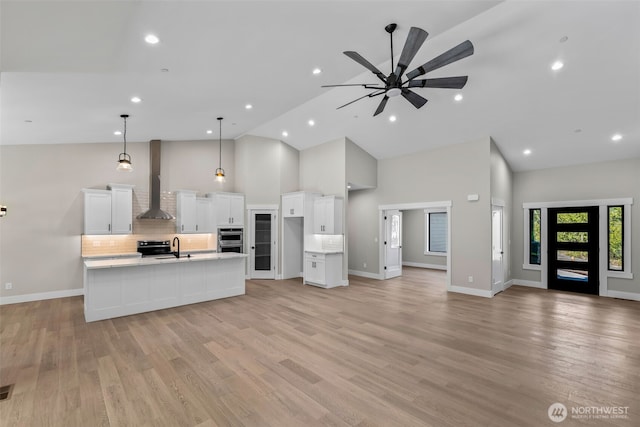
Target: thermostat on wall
point(472, 197)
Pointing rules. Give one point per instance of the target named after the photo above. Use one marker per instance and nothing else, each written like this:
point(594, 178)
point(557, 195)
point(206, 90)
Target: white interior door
point(497, 251)
point(263, 244)
point(393, 244)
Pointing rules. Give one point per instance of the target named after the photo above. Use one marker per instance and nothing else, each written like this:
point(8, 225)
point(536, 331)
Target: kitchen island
point(124, 286)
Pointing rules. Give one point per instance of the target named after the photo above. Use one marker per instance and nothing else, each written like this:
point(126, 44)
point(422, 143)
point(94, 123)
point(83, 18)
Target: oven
point(230, 240)
point(150, 248)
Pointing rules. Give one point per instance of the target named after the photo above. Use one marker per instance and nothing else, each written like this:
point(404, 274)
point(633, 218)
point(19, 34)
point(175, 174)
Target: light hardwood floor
point(401, 352)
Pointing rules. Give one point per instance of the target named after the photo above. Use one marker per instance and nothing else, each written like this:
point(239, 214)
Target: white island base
point(114, 288)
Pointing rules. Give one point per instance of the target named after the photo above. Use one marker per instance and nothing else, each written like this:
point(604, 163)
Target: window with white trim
point(436, 232)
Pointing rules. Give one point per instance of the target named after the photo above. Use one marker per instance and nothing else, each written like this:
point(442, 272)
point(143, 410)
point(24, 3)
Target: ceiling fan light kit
point(393, 83)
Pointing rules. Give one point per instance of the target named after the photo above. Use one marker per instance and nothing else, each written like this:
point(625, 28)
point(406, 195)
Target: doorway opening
point(427, 230)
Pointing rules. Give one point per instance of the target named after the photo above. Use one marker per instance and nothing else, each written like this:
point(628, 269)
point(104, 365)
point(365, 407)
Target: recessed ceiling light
point(348, 187)
point(151, 39)
point(458, 97)
point(392, 118)
point(616, 137)
point(117, 132)
point(316, 71)
point(209, 131)
point(164, 70)
point(136, 99)
point(311, 122)
point(526, 152)
point(28, 121)
point(557, 65)
point(285, 133)
point(248, 106)
point(577, 130)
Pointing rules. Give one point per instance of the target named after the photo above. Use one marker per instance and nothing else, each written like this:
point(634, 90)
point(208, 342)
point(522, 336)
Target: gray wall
point(413, 234)
point(323, 168)
point(40, 236)
point(265, 168)
point(606, 180)
point(449, 173)
point(361, 167)
point(502, 189)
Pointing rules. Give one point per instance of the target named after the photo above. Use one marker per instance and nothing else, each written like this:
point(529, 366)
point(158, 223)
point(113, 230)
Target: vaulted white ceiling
point(69, 70)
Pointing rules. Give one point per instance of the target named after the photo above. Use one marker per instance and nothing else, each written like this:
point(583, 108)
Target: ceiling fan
point(393, 83)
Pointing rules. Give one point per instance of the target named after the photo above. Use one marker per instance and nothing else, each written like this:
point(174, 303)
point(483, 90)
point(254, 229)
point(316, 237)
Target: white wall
point(606, 180)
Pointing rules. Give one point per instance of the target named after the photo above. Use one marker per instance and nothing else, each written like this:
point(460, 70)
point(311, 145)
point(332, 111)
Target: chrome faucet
point(173, 245)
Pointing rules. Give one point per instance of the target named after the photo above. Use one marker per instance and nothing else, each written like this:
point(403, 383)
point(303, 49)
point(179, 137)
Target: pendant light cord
point(124, 135)
point(220, 157)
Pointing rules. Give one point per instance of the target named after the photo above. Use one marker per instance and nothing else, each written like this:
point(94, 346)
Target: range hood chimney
point(154, 211)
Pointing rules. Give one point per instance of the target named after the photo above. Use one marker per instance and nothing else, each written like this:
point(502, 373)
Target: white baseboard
point(423, 265)
point(278, 276)
point(345, 282)
point(508, 284)
point(16, 299)
point(529, 283)
point(471, 291)
point(365, 274)
point(623, 295)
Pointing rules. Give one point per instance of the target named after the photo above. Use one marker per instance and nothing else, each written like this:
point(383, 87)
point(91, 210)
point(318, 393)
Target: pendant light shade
point(124, 160)
point(220, 172)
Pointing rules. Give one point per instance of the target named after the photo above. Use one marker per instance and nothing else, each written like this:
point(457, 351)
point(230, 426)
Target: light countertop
point(164, 259)
point(323, 251)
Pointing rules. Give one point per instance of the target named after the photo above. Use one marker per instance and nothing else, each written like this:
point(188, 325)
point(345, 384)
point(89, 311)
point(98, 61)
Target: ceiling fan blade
point(414, 42)
point(413, 98)
point(365, 85)
point(381, 106)
point(463, 50)
point(441, 83)
point(366, 64)
point(369, 95)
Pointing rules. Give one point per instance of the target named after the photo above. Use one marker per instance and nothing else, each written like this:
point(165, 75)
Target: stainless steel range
point(230, 240)
point(155, 248)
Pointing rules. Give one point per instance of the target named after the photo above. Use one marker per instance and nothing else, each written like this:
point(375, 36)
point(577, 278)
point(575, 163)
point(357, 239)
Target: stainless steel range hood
point(154, 211)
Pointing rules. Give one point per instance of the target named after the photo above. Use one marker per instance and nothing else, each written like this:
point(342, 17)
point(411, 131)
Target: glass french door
point(263, 241)
point(573, 249)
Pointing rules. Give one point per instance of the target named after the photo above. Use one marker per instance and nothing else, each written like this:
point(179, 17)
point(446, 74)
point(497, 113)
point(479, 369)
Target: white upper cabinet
point(108, 211)
point(293, 205)
point(327, 215)
point(229, 209)
point(186, 216)
point(204, 215)
point(121, 209)
point(97, 211)
point(194, 214)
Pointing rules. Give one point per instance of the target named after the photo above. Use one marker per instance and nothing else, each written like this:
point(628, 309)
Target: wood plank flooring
point(401, 352)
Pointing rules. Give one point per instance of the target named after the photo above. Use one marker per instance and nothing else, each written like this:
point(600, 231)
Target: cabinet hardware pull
point(182, 227)
point(129, 227)
point(109, 227)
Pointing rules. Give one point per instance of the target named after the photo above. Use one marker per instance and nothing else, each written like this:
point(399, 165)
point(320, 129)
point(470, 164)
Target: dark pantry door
point(573, 249)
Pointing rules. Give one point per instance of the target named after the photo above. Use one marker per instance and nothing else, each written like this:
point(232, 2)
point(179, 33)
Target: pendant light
point(220, 171)
point(124, 160)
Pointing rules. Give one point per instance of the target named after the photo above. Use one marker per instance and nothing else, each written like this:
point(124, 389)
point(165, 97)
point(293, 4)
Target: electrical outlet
point(470, 279)
point(8, 285)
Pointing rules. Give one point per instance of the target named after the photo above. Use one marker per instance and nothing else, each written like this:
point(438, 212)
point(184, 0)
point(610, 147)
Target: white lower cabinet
point(324, 270)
